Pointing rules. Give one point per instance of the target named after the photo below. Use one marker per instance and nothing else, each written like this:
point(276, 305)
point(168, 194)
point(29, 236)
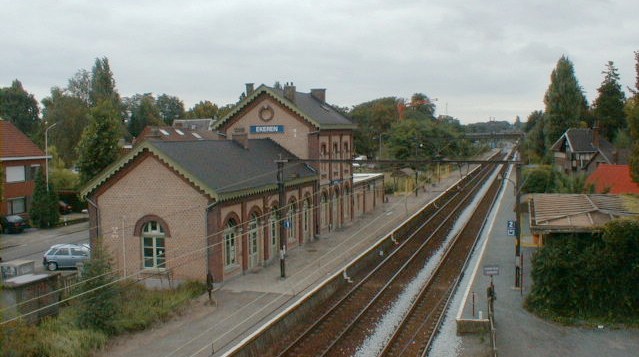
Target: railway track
point(350, 315)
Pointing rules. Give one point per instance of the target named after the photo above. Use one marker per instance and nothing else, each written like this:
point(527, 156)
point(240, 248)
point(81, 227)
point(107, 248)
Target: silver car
point(65, 256)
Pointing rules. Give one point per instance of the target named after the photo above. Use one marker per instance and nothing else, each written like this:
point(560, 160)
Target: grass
point(60, 335)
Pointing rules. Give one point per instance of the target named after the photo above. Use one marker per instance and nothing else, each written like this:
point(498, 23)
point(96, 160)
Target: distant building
point(21, 160)
point(194, 124)
point(582, 150)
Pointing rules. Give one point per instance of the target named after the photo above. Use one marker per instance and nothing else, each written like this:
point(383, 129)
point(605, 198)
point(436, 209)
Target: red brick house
point(20, 159)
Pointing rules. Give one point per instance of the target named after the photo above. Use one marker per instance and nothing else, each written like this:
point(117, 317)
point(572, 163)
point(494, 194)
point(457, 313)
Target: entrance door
point(253, 242)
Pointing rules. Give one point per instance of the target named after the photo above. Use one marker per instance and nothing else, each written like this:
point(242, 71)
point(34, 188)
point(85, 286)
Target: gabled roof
point(14, 145)
point(576, 212)
point(578, 140)
point(614, 179)
point(195, 124)
point(319, 114)
point(222, 169)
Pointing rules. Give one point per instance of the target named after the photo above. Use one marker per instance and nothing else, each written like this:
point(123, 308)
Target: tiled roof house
point(581, 150)
point(20, 159)
point(613, 179)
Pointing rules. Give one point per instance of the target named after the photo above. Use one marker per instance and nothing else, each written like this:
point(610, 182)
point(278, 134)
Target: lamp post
point(46, 152)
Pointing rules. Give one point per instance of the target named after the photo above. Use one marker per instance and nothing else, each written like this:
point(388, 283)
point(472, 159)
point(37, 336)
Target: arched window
point(274, 231)
point(230, 243)
point(153, 246)
point(292, 223)
point(306, 220)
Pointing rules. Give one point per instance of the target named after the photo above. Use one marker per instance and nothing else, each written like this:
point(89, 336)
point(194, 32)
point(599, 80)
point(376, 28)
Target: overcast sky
point(480, 59)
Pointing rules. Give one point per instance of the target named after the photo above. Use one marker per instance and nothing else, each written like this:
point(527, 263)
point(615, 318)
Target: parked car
point(64, 207)
point(13, 224)
point(65, 256)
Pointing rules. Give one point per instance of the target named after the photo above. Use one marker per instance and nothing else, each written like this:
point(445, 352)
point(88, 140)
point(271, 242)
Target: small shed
point(33, 296)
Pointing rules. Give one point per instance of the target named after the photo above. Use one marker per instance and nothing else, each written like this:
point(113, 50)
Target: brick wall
point(153, 189)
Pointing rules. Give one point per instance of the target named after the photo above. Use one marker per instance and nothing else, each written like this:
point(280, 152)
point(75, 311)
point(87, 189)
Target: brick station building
point(178, 210)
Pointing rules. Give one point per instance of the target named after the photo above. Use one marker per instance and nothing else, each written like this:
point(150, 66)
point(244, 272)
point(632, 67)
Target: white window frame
point(230, 244)
point(15, 174)
point(153, 233)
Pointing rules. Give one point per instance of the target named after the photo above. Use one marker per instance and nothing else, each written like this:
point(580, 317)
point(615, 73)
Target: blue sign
point(511, 225)
point(267, 129)
point(511, 232)
point(287, 224)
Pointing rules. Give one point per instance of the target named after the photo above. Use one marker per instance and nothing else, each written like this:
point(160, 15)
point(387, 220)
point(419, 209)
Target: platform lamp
point(46, 152)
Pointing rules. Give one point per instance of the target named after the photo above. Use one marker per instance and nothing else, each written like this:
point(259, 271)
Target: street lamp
point(46, 152)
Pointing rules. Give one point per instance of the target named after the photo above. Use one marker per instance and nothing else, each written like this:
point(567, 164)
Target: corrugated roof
point(575, 212)
point(15, 144)
point(614, 179)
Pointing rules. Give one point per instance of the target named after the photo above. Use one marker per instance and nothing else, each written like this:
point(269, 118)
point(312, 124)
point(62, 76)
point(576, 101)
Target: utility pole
point(282, 200)
point(518, 256)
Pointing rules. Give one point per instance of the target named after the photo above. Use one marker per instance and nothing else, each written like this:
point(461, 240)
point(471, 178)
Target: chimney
point(595, 135)
point(319, 94)
point(289, 92)
point(249, 89)
point(241, 137)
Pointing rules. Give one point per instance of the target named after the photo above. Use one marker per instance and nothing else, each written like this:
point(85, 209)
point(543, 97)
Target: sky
point(481, 60)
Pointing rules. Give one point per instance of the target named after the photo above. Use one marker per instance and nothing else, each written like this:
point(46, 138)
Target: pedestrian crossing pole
point(282, 204)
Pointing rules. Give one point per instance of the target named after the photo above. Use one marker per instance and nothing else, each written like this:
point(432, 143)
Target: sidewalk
point(519, 333)
point(244, 303)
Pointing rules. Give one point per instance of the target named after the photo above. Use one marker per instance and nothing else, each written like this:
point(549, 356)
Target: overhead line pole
point(282, 200)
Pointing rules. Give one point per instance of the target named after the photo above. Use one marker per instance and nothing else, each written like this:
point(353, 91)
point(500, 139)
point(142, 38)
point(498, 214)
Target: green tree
point(20, 108)
point(80, 86)
point(71, 115)
point(535, 142)
point(44, 207)
point(608, 108)
point(201, 110)
point(98, 147)
point(564, 100)
point(97, 293)
point(374, 120)
point(631, 110)
point(143, 112)
point(539, 179)
point(170, 107)
point(103, 84)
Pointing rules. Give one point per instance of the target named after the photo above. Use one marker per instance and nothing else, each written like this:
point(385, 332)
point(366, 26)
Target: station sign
point(490, 270)
point(267, 129)
point(511, 228)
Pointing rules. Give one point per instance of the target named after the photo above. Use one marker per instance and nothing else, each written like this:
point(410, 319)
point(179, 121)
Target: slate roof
point(321, 115)
point(223, 169)
point(581, 140)
point(576, 212)
point(14, 144)
point(168, 133)
point(196, 124)
point(614, 179)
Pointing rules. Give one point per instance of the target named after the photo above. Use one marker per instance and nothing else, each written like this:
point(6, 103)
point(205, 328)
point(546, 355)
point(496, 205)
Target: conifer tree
point(44, 207)
point(98, 147)
point(564, 100)
point(608, 108)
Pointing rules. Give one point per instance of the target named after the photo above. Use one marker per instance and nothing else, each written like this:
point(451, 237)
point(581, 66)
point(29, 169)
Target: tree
point(20, 108)
point(44, 207)
point(143, 112)
point(608, 108)
point(374, 120)
point(103, 84)
point(80, 86)
point(564, 100)
point(631, 110)
point(203, 109)
point(71, 115)
point(98, 147)
point(170, 107)
point(98, 294)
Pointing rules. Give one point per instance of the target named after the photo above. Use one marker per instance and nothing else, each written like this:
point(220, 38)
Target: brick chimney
point(595, 135)
point(289, 92)
point(241, 137)
point(319, 94)
point(249, 89)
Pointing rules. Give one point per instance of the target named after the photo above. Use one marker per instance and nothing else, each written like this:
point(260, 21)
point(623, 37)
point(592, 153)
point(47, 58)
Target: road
point(32, 243)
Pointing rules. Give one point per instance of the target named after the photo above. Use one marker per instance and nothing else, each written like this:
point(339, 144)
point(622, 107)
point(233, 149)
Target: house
point(21, 160)
point(581, 150)
point(180, 210)
point(613, 179)
point(313, 130)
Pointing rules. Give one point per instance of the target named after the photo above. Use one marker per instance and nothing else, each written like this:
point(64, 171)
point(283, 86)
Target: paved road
point(32, 243)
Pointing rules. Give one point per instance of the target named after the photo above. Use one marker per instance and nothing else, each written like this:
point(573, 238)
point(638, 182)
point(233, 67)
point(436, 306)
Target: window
point(15, 174)
point(292, 223)
point(230, 248)
point(33, 172)
point(153, 246)
point(253, 234)
point(273, 228)
point(17, 205)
